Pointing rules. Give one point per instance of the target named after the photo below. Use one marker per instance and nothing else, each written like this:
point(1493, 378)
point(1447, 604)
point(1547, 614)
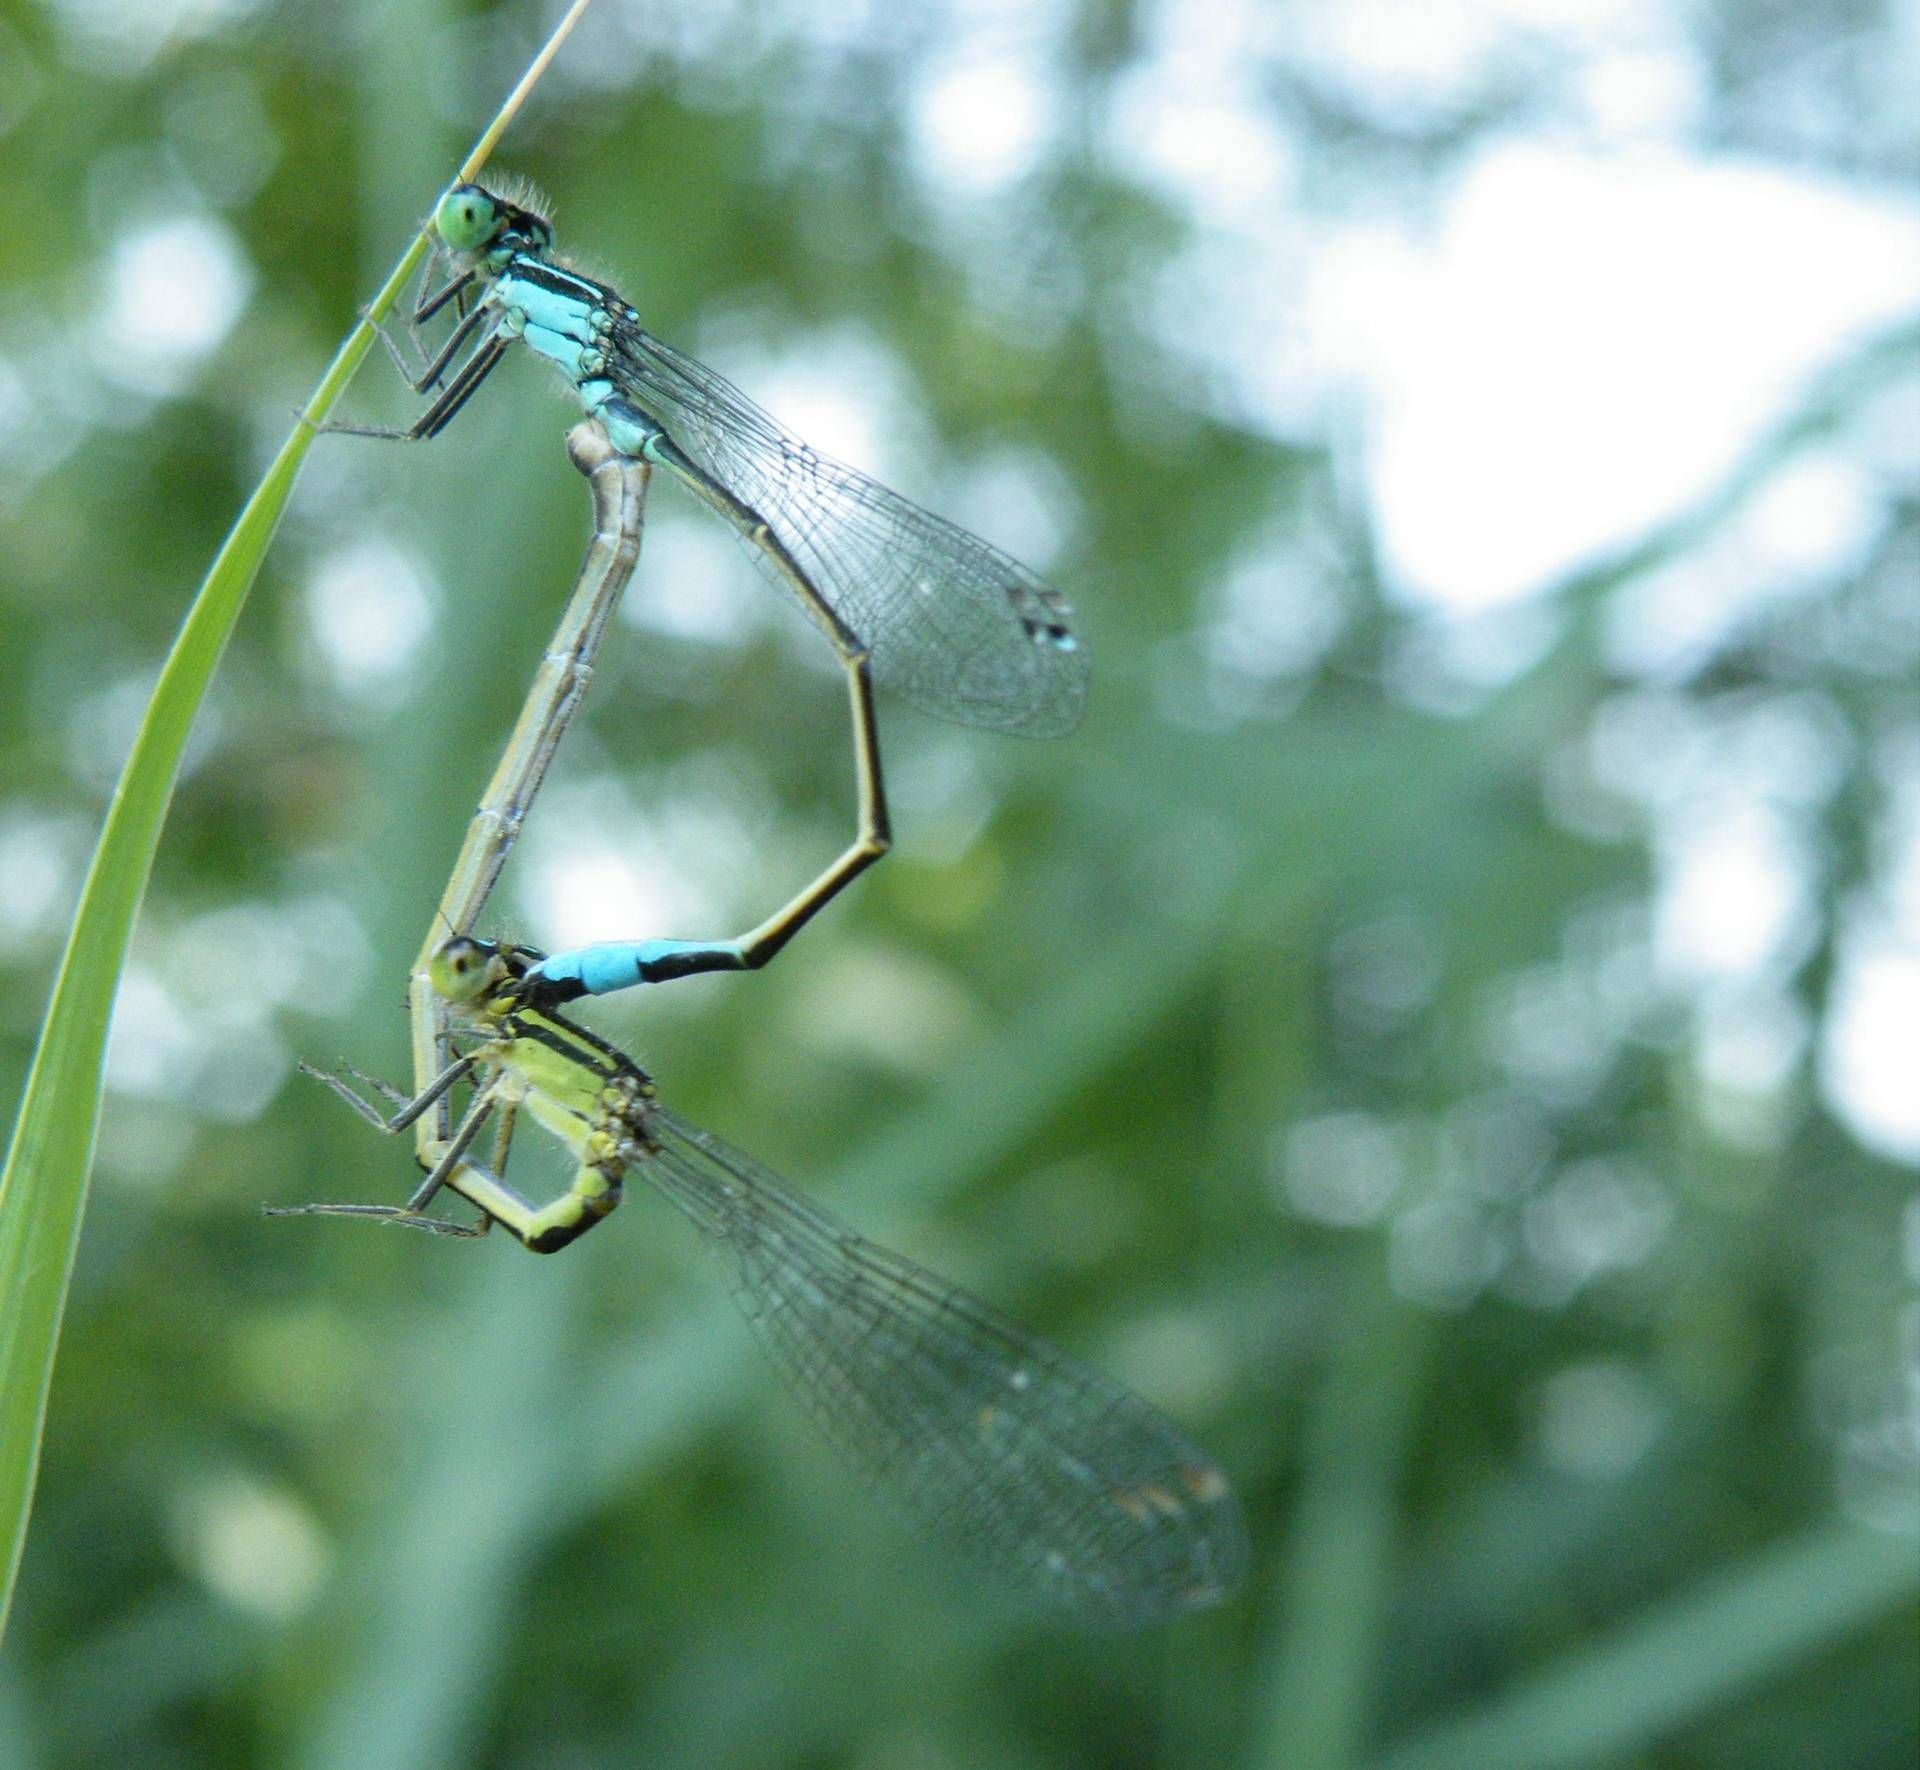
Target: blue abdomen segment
point(610, 965)
point(629, 429)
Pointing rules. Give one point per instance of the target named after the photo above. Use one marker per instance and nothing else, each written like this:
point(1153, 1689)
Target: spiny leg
point(332, 1079)
point(411, 373)
point(456, 341)
point(478, 366)
point(409, 1109)
point(428, 302)
point(410, 1214)
point(503, 1135)
point(485, 1102)
point(425, 373)
point(432, 300)
point(385, 1214)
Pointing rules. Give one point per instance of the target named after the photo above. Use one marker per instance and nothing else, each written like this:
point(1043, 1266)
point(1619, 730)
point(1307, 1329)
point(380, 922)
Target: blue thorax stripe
point(565, 283)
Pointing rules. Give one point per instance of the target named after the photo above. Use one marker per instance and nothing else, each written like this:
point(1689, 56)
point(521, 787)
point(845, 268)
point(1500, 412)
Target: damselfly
point(904, 597)
point(946, 619)
point(1054, 1478)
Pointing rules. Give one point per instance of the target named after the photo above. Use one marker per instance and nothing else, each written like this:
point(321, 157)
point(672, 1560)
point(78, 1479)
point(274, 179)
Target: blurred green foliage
point(1289, 1040)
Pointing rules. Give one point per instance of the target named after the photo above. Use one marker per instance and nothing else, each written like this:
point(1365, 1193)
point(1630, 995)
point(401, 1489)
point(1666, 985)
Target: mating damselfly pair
point(1053, 1477)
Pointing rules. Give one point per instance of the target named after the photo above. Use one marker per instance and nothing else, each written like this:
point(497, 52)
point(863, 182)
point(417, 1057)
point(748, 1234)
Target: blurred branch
point(1684, 1658)
point(1338, 1569)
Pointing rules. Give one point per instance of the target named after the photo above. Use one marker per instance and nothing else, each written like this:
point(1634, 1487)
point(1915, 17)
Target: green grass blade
point(1697, 1653)
point(43, 1188)
point(1340, 1565)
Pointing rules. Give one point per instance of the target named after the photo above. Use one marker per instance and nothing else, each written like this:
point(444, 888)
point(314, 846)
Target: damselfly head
point(480, 974)
point(465, 969)
point(472, 221)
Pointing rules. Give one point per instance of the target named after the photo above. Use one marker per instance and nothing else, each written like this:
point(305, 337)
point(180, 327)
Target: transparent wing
point(1047, 1474)
point(951, 623)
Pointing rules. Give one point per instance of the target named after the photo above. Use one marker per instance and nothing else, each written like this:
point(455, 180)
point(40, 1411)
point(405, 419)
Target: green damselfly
point(1055, 1479)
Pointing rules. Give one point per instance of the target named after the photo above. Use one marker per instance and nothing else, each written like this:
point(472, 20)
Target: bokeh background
point(1447, 1028)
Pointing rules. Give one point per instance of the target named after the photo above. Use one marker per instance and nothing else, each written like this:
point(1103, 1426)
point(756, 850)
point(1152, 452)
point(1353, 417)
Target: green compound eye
point(462, 968)
point(466, 218)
